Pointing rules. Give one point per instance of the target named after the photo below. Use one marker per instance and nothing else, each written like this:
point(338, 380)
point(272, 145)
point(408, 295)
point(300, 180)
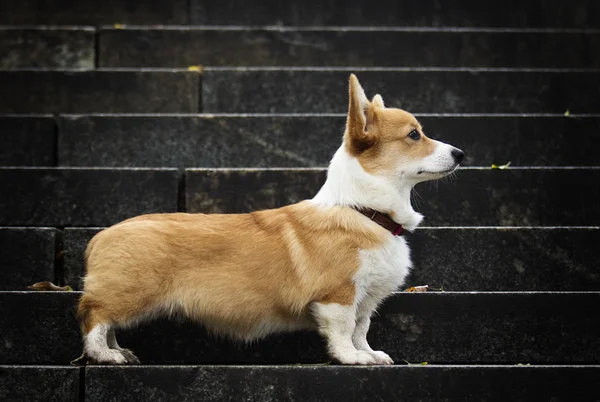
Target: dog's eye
point(414, 135)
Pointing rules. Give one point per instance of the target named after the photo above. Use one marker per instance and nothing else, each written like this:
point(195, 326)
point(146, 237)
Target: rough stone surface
point(537, 13)
point(346, 47)
point(198, 141)
point(91, 12)
point(43, 47)
point(27, 141)
point(119, 91)
point(27, 256)
point(75, 243)
point(461, 259)
point(40, 328)
point(318, 383)
point(310, 141)
point(325, 90)
point(505, 259)
point(247, 190)
point(480, 197)
point(39, 383)
point(84, 197)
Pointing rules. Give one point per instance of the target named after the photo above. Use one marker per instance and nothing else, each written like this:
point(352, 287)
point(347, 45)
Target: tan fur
point(231, 272)
point(380, 141)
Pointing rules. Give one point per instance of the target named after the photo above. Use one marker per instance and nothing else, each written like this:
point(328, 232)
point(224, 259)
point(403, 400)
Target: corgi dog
point(323, 264)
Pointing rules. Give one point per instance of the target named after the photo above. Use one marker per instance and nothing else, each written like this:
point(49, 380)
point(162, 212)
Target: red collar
point(382, 220)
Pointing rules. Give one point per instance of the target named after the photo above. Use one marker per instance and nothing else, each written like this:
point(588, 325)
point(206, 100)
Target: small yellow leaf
point(119, 26)
point(417, 289)
point(49, 286)
point(198, 68)
point(494, 166)
point(567, 113)
point(415, 364)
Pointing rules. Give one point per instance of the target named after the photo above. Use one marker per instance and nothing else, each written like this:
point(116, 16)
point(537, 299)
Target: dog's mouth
point(440, 172)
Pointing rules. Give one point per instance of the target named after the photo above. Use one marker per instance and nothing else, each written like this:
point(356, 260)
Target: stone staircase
point(109, 110)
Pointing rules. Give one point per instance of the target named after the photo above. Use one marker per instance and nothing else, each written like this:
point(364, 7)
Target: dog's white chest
point(382, 269)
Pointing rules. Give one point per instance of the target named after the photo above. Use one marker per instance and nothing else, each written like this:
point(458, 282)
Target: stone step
point(465, 13)
point(478, 196)
point(375, 47)
point(47, 47)
point(318, 383)
point(40, 383)
point(28, 256)
point(101, 196)
point(449, 90)
point(84, 197)
point(272, 140)
point(28, 140)
point(533, 13)
point(89, 12)
point(298, 383)
point(124, 91)
point(442, 327)
point(482, 259)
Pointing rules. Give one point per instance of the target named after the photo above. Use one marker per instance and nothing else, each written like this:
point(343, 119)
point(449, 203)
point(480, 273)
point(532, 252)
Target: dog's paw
point(381, 357)
point(129, 356)
point(359, 357)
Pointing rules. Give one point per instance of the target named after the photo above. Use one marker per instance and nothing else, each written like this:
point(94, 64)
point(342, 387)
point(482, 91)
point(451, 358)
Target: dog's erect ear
point(359, 117)
point(378, 101)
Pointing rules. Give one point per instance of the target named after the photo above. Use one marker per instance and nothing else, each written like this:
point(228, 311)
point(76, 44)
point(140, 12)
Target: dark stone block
point(75, 243)
point(274, 141)
point(36, 383)
point(27, 141)
point(379, 47)
point(247, 190)
point(27, 256)
point(325, 90)
point(84, 197)
point(521, 140)
point(505, 259)
point(198, 141)
point(468, 259)
point(120, 91)
point(441, 327)
point(47, 47)
point(320, 384)
point(92, 12)
point(478, 196)
point(536, 13)
point(39, 328)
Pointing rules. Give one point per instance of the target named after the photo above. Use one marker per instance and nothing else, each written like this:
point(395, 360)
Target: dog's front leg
point(337, 323)
point(359, 338)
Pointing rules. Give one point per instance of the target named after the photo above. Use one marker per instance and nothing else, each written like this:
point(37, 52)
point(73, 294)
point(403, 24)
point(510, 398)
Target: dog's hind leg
point(112, 343)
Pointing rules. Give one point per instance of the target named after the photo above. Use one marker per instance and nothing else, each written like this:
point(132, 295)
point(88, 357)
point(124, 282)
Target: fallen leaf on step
point(494, 166)
point(119, 26)
point(417, 289)
point(49, 286)
point(567, 113)
point(197, 68)
point(416, 364)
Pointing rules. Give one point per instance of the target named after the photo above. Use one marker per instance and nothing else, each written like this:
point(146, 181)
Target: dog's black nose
point(458, 155)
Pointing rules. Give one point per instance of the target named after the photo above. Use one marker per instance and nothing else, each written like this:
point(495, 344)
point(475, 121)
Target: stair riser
point(28, 141)
point(449, 91)
point(435, 327)
point(89, 12)
point(50, 48)
point(100, 91)
point(64, 197)
point(185, 47)
point(538, 13)
point(43, 384)
point(342, 383)
point(273, 141)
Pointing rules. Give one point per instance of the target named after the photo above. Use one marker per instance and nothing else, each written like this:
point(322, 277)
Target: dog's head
point(390, 142)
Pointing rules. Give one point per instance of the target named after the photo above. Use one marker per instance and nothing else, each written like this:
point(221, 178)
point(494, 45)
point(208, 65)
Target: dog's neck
point(348, 184)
